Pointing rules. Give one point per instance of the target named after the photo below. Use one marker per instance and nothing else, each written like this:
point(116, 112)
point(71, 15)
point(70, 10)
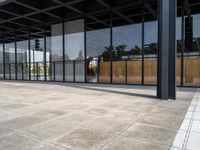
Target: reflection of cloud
point(96, 41)
point(74, 43)
point(151, 32)
point(196, 26)
point(129, 35)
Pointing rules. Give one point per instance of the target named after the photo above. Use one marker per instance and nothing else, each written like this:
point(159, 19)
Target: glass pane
point(192, 50)
point(74, 49)
point(22, 58)
point(134, 71)
point(127, 42)
point(150, 52)
point(98, 51)
point(119, 71)
point(37, 59)
point(179, 49)
point(57, 51)
point(10, 61)
point(48, 59)
point(69, 71)
point(79, 71)
point(104, 74)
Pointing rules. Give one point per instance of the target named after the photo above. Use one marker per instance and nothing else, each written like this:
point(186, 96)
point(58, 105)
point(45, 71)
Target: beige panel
point(192, 71)
point(150, 71)
point(119, 71)
point(134, 72)
point(104, 75)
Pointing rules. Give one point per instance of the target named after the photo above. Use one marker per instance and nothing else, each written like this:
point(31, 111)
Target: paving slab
point(56, 116)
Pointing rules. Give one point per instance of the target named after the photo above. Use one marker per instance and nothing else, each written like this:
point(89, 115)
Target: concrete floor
point(47, 116)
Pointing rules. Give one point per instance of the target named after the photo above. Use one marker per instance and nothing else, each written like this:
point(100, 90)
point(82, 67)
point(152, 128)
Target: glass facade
point(97, 53)
point(74, 51)
point(22, 60)
point(127, 64)
point(10, 61)
point(57, 51)
point(120, 49)
point(37, 58)
point(192, 51)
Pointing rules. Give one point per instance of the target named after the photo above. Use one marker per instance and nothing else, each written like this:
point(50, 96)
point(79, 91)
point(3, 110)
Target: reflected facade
point(74, 51)
point(106, 47)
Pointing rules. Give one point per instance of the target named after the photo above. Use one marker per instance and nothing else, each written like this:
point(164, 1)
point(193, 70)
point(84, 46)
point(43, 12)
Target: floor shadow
point(115, 92)
point(97, 87)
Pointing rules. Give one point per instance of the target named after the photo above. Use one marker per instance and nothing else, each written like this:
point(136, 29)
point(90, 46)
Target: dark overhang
point(18, 18)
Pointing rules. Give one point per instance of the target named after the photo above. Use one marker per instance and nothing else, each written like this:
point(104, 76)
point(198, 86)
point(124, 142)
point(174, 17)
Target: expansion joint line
point(195, 100)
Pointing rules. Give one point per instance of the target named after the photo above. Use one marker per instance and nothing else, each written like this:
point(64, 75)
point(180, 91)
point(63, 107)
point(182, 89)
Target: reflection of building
point(71, 42)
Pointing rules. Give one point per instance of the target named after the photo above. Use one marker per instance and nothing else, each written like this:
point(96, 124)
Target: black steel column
point(166, 57)
point(172, 50)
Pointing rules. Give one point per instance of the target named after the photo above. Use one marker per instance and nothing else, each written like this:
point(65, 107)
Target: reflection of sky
point(128, 35)
point(151, 32)
point(2, 1)
point(74, 43)
point(96, 41)
point(196, 26)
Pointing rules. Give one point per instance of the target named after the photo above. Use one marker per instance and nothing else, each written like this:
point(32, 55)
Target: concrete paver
point(57, 116)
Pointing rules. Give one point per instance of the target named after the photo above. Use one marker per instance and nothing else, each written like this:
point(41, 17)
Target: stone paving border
point(188, 136)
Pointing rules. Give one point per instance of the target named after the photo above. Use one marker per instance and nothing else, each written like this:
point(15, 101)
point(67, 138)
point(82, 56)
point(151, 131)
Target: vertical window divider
point(45, 50)
point(63, 38)
point(4, 58)
point(16, 70)
point(85, 46)
point(29, 54)
point(182, 45)
point(74, 67)
point(142, 65)
point(22, 70)
point(126, 69)
point(111, 45)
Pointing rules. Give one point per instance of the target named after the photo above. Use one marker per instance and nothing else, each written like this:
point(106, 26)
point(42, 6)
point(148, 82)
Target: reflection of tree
point(135, 51)
point(119, 52)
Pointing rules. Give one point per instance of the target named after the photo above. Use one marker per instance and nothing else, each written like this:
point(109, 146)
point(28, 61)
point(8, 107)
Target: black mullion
point(142, 66)
point(74, 73)
point(111, 45)
point(126, 69)
point(4, 59)
point(22, 71)
point(85, 46)
point(45, 50)
point(182, 45)
point(63, 35)
point(10, 77)
point(29, 55)
point(16, 70)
